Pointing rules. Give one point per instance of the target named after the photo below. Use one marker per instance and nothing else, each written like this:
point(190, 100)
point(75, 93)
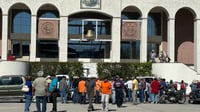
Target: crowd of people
point(41, 89)
point(103, 91)
point(162, 57)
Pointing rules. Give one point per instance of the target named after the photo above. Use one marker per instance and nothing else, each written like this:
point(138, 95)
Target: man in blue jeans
point(75, 98)
point(129, 85)
point(53, 92)
point(28, 94)
point(119, 86)
point(63, 88)
point(40, 91)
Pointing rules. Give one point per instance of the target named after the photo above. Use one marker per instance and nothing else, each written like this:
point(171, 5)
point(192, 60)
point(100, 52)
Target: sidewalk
point(127, 107)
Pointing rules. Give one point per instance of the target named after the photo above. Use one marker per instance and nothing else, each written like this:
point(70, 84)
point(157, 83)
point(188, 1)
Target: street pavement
point(127, 107)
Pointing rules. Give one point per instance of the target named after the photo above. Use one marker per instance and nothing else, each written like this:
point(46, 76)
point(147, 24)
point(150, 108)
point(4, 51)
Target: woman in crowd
point(28, 95)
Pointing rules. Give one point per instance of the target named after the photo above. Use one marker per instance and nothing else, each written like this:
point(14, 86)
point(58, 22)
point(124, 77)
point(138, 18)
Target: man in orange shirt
point(82, 91)
point(106, 88)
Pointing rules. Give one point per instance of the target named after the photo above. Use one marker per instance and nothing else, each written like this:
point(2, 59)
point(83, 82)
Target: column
point(171, 39)
point(33, 38)
point(4, 37)
point(143, 45)
point(63, 41)
point(197, 45)
point(116, 40)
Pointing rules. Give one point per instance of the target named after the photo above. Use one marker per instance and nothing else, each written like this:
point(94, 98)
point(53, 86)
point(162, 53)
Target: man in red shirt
point(155, 85)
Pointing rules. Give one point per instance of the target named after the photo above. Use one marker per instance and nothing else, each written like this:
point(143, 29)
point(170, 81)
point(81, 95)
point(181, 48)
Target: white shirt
point(129, 83)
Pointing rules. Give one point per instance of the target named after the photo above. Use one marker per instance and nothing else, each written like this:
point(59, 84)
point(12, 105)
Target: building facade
point(100, 30)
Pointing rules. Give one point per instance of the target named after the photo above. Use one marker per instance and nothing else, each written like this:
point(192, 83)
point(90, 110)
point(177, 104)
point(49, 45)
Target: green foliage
point(103, 69)
point(123, 69)
point(69, 68)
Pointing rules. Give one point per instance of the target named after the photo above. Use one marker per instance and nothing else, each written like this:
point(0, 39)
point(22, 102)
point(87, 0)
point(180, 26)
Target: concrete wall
point(14, 68)
point(90, 69)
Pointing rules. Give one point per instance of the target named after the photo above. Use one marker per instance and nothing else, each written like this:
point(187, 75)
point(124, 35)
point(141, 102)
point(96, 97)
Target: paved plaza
point(127, 107)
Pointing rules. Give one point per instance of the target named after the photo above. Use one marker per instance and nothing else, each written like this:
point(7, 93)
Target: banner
point(131, 30)
point(48, 29)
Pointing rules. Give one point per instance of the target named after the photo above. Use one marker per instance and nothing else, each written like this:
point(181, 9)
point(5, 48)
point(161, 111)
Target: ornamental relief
point(130, 30)
point(48, 29)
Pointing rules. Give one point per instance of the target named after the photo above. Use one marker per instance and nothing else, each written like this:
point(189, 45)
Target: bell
point(89, 33)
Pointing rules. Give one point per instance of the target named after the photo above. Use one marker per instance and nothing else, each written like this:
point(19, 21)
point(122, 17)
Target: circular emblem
point(47, 28)
point(90, 3)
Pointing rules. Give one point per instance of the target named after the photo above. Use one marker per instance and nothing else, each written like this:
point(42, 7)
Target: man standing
point(28, 95)
point(75, 82)
point(153, 56)
point(129, 85)
point(98, 86)
point(40, 91)
point(155, 85)
point(106, 88)
point(135, 88)
point(141, 88)
point(119, 86)
point(90, 88)
point(63, 88)
point(82, 91)
point(53, 92)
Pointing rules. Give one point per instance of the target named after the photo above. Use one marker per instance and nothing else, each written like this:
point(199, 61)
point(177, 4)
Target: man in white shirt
point(129, 85)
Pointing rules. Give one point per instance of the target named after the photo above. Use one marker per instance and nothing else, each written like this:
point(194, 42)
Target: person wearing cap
point(119, 86)
point(53, 92)
point(90, 89)
point(39, 89)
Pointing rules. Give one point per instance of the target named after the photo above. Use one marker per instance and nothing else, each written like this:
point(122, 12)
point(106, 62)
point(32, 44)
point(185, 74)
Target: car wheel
point(181, 100)
point(191, 101)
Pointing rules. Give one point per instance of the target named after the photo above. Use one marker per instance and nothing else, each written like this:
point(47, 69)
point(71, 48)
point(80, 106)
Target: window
point(88, 49)
point(99, 29)
point(9, 80)
point(47, 48)
point(86, 38)
point(20, 48)
point(44, 14)
point(15, 81)
point(21, 22)
point(154, 24)
point(130, 50)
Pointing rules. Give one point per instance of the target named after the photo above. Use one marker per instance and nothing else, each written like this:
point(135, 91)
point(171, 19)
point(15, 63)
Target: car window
point(7, 80)
point(4, 80)
point(16, 81)
point(59, 78)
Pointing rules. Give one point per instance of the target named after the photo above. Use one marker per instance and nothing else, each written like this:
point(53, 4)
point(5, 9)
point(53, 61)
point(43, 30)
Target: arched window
point(48, 15)
point(21, 22)
point(154, 24)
